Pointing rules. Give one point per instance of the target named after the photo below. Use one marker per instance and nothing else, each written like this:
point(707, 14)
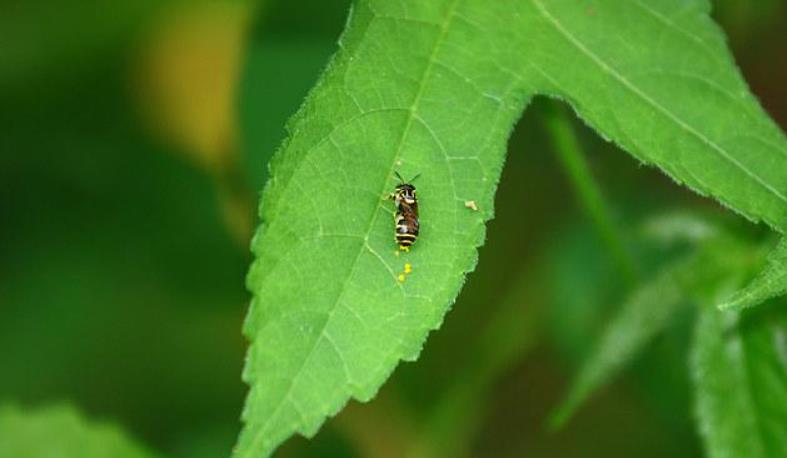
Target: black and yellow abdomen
point(407, 227)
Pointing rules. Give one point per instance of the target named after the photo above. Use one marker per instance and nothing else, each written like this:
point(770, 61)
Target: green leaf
point(770, 283)
point(645, 314)
point(61, 432)
point(740, 374)
point(435, 88)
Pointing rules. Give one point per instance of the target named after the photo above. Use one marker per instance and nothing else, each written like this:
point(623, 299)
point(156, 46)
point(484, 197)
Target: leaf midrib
point(405, 131)
point(683, 125)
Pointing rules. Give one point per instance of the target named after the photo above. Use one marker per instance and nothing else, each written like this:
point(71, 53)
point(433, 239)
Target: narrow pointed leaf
point(645, 314)
point(61, 432)
point(740, 374)
point(435, 88)
point(770, 283)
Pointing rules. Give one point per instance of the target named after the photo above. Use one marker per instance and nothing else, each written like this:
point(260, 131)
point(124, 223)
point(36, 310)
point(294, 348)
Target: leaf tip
point(731, 305)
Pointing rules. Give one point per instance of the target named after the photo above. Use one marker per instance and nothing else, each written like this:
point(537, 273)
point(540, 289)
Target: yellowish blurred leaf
point(187, 75)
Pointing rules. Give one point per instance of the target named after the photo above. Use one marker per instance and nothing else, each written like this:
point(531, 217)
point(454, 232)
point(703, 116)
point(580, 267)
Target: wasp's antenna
point(414, 178)
point(401, 180)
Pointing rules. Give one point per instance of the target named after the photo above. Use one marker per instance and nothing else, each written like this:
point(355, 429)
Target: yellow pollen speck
point(408, 268)
point(404, 248)
point(401, 277)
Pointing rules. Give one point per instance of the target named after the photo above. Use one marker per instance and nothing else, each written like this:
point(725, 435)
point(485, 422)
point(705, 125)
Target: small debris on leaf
point(471, 205)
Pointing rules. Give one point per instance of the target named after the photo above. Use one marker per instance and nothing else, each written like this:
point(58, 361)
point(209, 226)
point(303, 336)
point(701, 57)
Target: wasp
point(406, 216)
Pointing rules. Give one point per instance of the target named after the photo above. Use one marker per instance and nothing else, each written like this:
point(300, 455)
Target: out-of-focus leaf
point(187, 75)
point(643, 316)
point(770, 283)
point(287, 48)
point(277, 77)
point(103, 288)
point(43, 40)
point(61, 432)
point(740, 373)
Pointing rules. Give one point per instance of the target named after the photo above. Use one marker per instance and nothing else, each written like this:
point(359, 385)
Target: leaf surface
point(770, 283)
point(61, 432)
point(740, 374)
point(435, 88)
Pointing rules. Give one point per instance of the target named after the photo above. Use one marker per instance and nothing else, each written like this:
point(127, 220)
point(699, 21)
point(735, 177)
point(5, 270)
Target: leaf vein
point(652, 102)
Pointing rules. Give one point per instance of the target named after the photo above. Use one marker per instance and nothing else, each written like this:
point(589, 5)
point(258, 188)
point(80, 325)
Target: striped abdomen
point(406, 225)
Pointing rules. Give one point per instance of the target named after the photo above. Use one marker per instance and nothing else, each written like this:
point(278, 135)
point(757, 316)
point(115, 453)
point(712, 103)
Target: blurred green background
point(134, 137)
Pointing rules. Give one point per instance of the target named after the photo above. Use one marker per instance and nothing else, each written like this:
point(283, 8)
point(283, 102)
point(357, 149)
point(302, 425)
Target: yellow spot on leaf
point(401, 277)
point(408, 268)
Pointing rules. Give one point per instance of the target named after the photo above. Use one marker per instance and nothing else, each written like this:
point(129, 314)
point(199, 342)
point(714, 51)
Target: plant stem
point(512, 332)
point(587, 190)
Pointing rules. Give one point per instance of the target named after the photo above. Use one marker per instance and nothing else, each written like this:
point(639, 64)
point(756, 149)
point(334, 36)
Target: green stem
point(512, 332)
point(587, 189)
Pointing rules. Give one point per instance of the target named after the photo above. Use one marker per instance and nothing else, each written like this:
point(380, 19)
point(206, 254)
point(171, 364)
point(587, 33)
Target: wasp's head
point(406, 193)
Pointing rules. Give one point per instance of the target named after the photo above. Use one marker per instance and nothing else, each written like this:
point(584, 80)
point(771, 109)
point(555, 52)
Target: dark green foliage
point(124, 240)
